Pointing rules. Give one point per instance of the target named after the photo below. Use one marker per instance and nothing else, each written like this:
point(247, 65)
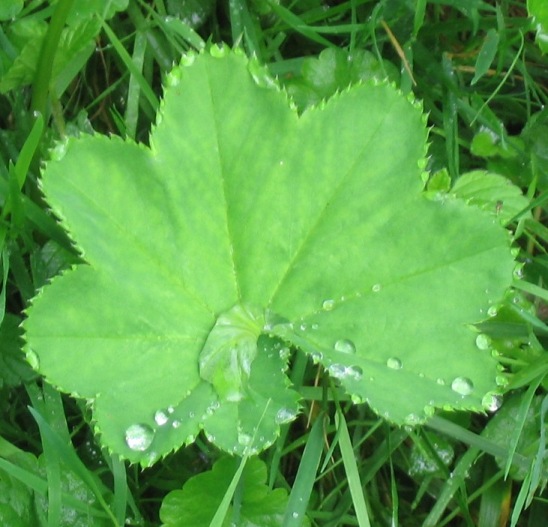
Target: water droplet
point(518, 271)
point(412, 419)
point(356, 399)
point(285, 415)
point(176, 424)
point(483, 341)
point(328, 305)
point(170, 409)
point(139, 437)
point(33, 360)
point(244, 439)
point(493, 311)
point(394, 363)
point(161, 417)
point(376, 288)
point(337, 370)
point(314, 326)
point(429, 410)
point(355, 372)
point(440, 381)
point(303, 327)
point(502, 380)
point(284, 353)
point(491, 402)
point(462, 386)
point(345, 346)
point(316, 357)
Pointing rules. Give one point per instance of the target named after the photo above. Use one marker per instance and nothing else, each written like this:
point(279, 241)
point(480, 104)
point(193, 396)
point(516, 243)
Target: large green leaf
point(245, 219)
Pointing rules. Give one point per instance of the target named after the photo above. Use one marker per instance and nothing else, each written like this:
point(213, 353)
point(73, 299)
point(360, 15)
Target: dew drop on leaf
point(501, 380)
point(161, 417)
point(376, 288)
point(356, 399)
point(462, 386)
point(285, 415)
point(483, 342)
point(493, 311)
point(491, 402)
point(176, 424)
point(170, 409)
point(355, 372)
point(139, 437)
point(440, 381)
point(244, 439)
point(412, 419)
point(328, 304)
point(337, 370)
point(316, 357)
point(394, 363)
point(345, 346)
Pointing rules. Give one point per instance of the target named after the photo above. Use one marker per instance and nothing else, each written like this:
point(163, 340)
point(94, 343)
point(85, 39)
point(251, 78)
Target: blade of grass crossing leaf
point(134, 89)
point(532, 289)
point(219, 518)
point(130, 65)
point(120, 501)
point(352, 472)
point(68, 455)
point(459, 433)
point(450, 488)
point(393, 491)
point(306, 475)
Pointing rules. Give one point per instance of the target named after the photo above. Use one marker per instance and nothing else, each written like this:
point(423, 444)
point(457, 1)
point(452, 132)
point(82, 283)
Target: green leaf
point(538, 9)
point(196, 504)
point(244, 218)
point(491, 192)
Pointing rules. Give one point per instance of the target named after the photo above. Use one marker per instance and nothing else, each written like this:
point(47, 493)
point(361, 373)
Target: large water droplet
point(491, 402)
point(328, 305)
point(394, 363)
point(345, 346)
point(462, 386)
point(483, 341)
point(285, 415)
point(161, 417)
point(139, 437)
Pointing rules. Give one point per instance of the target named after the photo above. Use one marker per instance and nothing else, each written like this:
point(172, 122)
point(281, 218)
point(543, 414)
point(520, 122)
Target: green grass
point(477, 70)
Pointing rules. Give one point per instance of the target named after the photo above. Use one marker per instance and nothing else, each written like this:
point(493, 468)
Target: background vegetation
point(69, 67)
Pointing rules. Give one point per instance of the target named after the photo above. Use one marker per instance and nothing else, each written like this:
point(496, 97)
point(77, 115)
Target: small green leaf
point(13, 367)
point(491, 192)
point(196, 504)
